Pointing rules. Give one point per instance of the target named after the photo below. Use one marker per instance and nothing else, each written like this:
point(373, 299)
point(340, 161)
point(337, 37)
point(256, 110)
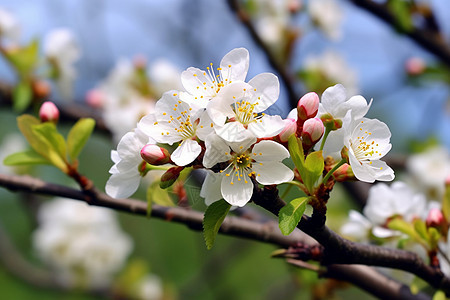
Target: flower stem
point(340, 163)
point(325, 135)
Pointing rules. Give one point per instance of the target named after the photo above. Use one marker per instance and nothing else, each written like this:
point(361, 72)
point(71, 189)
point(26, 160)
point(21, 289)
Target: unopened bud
point(415, 66)
point(41, 89)
point(435, 218)
point(140, 61)
point(312, 131)
point(95, 98)
point(447, 181)
point(155, 155)
point(344, 173)
point(344, 153)
point(171, 175)
point(307, 107)
point(290, 127)
point(49, 112)
point(295, 6)
point(330, 122)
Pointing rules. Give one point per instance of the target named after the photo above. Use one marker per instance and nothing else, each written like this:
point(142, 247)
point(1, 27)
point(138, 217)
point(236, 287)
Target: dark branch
point(285, 76)
point(234, 226)
point(427, 39)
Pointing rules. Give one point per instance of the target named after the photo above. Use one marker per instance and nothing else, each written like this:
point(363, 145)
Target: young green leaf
point(24, 59)
point(446, 203)
point(157, 195)
point(314, 163)
point(296, 152)
point(29, 157)
point(38, 142)
point(402, 226)
point(50, 133)
point(22, 95)
point(291, 214)
point(213, 218)
point(78, 136)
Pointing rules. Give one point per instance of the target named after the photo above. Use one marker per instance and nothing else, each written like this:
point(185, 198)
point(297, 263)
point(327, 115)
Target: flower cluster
point(84, 245)
point(218, 123)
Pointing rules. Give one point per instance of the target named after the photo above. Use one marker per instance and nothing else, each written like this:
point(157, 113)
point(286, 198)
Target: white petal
point(358, 105)
point(382, 232)
point(292, 114)
point(360, 171)
point(267, 88)
point(205, 126)
point(235, 65)
point(123, 185)
point(186, 152)
point(195, 81)
point(216, 151)
point(332, 97)
point(240, 147)
point(220, 108)
point(333, 144)
point(211, 188)
point(233, 132)
point(266, 151)
point(267, 126)
point(115, 157)
point(238, 193)
point(381, 171)
point(272, 172)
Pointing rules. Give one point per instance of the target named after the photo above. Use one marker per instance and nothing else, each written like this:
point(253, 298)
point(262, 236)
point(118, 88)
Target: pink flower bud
point(307, 106)
point(447, 180)
point(155, 155)
point(415, 66)
point(312, 131)
point(344, 173)
point(49, 112)
point(435, 218)
point(290, 127)
point(140, 61)
point(170, 176)
point(95, 98)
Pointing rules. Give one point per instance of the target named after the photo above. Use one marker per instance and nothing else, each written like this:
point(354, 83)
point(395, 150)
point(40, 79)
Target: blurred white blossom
point(429, 169)
point(84, 245)
point(327, 15)
point(9, 26)
point(62, 51)
point(150, 288)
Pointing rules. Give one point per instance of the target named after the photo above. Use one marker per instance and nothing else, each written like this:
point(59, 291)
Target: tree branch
point(338, 250)
point(234, 226)
point(285, 76)
point(427, 39)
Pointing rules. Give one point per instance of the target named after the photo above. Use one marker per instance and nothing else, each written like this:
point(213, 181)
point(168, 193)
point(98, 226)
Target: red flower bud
point(49, 112)
point(155, 155)
point(435, 218)
point(415, 66)
point(95, 98)
point(312, 131)
point(290, 127)
point(307, 107)
point(171, 175)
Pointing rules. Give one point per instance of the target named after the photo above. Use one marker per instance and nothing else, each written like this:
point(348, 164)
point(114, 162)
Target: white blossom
point(327, 15)
point(125, 173)
point(202, 86)
point(84, 245)
point(242, 162)
point(9, 26)
point(176, 121)
point(62, 51)
point(429, 170)
point(238, 108)
point(367, 141)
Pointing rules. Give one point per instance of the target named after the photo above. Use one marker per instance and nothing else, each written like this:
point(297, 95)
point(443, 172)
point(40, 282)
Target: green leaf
point(446, 203)
point(421, 229)
point(24, 59)
point(38, 142)
point(157, 195)
point(212, 220)
point(78, 136)
point(314, 163)
point(434, 237)
point(402, 12)
point(29, 157)
point(439, 295)
point(296, 152)
point(22, 95)
point(50, 133)
point(291, 214)
point(402, 226)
